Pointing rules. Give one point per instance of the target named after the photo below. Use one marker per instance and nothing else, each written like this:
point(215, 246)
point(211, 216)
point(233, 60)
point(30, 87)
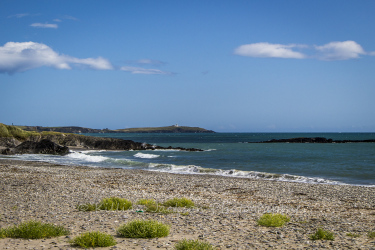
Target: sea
point(236, 155)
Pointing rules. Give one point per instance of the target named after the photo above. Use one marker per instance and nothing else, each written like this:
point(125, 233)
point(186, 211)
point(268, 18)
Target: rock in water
point(42, 147)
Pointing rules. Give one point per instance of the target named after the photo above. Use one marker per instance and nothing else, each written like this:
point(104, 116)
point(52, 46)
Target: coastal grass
point(158, 208)
point(112, 203)
point(193, 245)
point(93, 239)
point(2, 233)
point(353, 235)
point(371, 234)
point(146, 202)
point(179, 202)
point(321, 234)
point(273, 220)
point(34, 230)
point(143, 229)
point(13, 131)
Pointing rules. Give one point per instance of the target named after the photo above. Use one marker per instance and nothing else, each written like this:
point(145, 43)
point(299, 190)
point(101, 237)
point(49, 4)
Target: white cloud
point(138, 70)
point(19, 15)
point(44, 25)
point(19, 57)
point(269, 50)
point(340, 51)
point(149, 62)
point(57, 20)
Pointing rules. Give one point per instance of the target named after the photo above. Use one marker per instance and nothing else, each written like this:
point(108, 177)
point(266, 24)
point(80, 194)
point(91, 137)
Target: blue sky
point(229, 66)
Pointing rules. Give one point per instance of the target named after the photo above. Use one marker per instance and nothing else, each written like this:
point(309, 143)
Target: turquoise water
point(230, 154)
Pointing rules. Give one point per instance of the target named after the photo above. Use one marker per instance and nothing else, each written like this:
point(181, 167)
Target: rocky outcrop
point(9, 142)
point(44, 146)
point(58, 143)
point(313, 140)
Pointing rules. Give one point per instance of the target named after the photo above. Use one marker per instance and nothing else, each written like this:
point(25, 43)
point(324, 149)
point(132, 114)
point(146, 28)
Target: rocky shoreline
point(225, 214)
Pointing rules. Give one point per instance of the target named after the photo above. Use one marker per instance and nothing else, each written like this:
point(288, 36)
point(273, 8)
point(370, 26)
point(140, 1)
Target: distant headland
point(76, 130)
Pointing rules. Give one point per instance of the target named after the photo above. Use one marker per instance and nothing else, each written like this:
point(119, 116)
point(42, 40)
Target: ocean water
point(231, 154)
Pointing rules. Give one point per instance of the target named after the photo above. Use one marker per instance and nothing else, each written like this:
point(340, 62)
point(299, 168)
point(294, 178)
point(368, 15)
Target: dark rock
point(42, 147)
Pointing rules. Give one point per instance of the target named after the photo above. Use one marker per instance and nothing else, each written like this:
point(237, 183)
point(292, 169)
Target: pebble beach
point(225, 213)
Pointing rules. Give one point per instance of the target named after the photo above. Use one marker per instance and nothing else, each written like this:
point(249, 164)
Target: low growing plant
point(273, 220)
point(353, 235)
point(179, 202)
point(371, 234)
point(143, 229)
point(94, 239)
point(115, 203)
point(157, 208)
point(321, 234)
point(112, 203)
point(35, 230)
point(2, 233)
point(146, 202)
point(193, 245)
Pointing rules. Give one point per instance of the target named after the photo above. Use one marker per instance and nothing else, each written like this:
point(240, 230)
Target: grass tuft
point(157, 208)
point(371, 234)
point(94, 239)
point(35, 230)
point(115, 203)
point(2, 233)
point(273, 220)
point(179, 202)
point(146, 202)
point(193, 245)
point(143, 229)
point(321, 234)
point(353, 235)
point(112, 203)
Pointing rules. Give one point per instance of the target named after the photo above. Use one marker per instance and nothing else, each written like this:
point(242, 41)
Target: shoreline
point(225, 215)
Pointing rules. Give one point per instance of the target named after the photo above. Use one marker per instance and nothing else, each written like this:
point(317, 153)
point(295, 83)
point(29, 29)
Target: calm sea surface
point(231, 154)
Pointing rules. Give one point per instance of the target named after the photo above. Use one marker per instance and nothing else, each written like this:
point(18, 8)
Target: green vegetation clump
point(2, 233)
point(115, 203)
point(94, 239)
point(157, 208)
point(273, 220)
point(13, 131)
point(353, 235)
point(35, 230)
point(321, 234)
point(193, 245)
point(371, 234)
point(143, 229)
point(112, 203)
point(146, 202)
point(179, 202)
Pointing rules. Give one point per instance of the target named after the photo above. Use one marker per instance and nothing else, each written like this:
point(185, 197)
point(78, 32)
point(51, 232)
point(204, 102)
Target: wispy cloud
point(340, 51)
point(70, 18)
point(44, 25)
point(57, 20)
point(19, 57)
point(19, 15)
point(139, 70)
point(269, 50)
point(332, 51)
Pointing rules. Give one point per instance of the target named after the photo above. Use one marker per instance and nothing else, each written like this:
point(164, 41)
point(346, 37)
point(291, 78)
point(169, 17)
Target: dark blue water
point(231, 154)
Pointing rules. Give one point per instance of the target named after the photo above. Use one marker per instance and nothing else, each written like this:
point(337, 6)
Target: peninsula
point(76, 130)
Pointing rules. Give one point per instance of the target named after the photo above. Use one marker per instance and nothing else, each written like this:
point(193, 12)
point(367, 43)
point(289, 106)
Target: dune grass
point(146, 202)
point(179, 202)
point(2, 233)
point(112, 203)
point(273, 220)
point(34, 230)
point(93, 239)
point(143, 229)
point(193, 245)
point(321, 234)
point(371, 234)
point(13, 131)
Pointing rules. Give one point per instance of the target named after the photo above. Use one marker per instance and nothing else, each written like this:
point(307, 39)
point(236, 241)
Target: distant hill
point(168, 129)
point(77, 130)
